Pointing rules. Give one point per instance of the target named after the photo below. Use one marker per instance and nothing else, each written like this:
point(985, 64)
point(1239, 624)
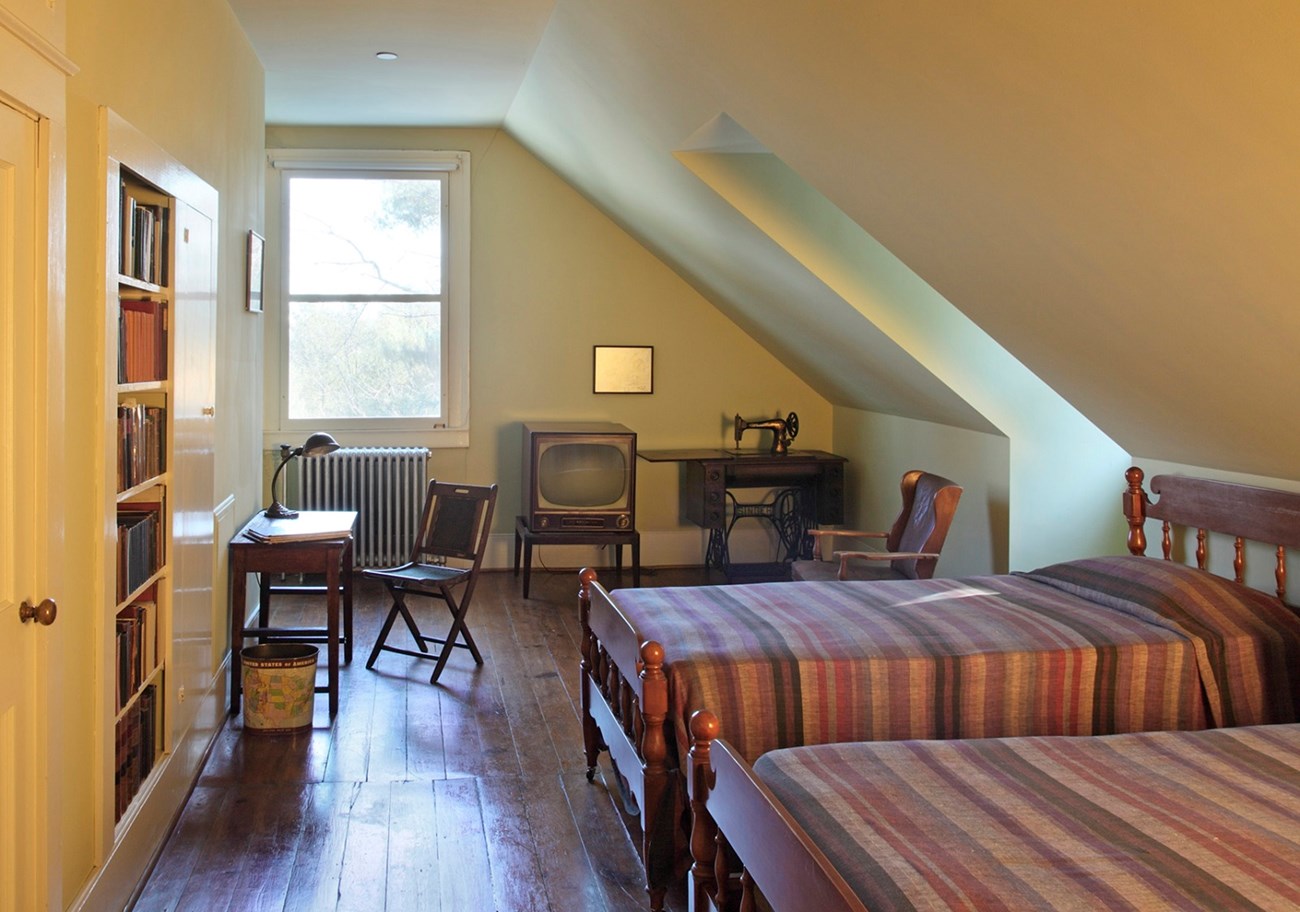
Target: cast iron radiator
point(385, 485)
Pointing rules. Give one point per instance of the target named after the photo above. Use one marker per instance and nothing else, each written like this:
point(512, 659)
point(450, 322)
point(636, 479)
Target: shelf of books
point(142, 311)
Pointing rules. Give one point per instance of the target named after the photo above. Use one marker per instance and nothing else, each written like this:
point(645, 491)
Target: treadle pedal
point(624, 794)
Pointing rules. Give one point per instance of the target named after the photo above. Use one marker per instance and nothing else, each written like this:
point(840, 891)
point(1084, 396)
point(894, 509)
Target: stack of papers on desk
point(310, 525)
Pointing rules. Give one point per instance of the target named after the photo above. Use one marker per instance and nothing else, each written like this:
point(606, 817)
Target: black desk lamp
point(317, 444)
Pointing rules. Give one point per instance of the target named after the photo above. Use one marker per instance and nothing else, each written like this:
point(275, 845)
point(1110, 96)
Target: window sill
point(438, 439)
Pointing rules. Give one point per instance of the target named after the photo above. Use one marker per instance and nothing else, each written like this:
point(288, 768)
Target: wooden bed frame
point(736, 816)
point(624, 688)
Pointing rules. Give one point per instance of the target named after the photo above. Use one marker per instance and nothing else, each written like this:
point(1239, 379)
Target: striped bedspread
point(1088, 647)
point(1159, 820)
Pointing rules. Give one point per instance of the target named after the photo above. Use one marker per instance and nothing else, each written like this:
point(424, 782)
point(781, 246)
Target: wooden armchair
point(912, 546)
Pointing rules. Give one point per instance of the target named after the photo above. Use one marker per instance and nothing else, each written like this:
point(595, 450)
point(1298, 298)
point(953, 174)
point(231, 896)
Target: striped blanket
point(1094, 646)
point(1158, 820)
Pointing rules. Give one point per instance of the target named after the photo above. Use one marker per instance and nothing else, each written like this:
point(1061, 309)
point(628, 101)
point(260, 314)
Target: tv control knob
point(623, 521)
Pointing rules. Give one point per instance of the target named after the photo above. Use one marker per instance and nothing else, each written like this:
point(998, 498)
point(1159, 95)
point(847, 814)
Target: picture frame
point(623, 369)
point(256, 258)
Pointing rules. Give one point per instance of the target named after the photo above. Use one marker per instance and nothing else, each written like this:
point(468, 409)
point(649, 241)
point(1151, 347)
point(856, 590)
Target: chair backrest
point(929, 502)
point(455, 522)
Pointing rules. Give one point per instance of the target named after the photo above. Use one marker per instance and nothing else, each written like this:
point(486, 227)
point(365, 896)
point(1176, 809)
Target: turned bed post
point(704, 834)
point(590, 737)
point(656, 818)
point(1135, 510)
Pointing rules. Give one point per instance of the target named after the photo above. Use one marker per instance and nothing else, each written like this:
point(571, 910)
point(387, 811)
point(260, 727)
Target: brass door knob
point(44, 613)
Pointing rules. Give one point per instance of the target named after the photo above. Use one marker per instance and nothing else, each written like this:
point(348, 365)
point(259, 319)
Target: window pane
point(364, 235)
point(364, 360)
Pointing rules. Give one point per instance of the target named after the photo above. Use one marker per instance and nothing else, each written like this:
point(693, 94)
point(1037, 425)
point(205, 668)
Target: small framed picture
point(256, 254)
point(623, 369)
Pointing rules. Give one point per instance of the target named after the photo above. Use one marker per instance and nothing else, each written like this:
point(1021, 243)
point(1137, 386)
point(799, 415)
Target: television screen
point(582, 474)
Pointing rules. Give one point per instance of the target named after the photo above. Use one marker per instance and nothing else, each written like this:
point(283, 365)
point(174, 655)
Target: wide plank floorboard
point(465, 796)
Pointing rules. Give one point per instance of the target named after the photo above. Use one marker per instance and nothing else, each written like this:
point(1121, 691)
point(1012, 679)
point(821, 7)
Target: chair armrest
point(845, 556)
point(829, 534)
point(883, 555)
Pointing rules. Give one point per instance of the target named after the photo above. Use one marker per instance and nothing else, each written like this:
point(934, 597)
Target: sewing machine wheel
point(792, 426)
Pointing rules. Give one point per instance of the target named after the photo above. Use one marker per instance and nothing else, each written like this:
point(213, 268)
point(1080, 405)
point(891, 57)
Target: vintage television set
point(579, 476)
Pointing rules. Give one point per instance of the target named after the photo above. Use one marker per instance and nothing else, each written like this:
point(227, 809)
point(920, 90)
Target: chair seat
point(428, 574)
point(829, 570)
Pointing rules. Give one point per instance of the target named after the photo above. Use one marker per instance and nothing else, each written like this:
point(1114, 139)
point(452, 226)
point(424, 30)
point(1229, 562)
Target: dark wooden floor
point(470, 795)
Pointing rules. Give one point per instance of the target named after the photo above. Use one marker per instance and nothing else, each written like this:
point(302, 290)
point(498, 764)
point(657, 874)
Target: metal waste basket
point(279, 684)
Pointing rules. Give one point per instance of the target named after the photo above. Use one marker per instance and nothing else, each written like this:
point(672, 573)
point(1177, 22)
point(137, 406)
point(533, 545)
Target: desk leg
point(528, 564)
point(636, 562)
point(347, 603)
point(519, 540)
point(263, 601)
point(332, 584)
point(238, 600)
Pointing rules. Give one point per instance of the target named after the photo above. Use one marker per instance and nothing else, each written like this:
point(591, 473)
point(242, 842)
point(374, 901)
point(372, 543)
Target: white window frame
point(453, 430)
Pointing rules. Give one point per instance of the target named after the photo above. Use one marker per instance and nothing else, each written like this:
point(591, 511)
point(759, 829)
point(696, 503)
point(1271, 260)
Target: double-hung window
point(374, 331)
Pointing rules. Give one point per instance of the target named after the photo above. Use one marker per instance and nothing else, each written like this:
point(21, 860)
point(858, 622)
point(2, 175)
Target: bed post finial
point(586, 576)
point(1135, 510)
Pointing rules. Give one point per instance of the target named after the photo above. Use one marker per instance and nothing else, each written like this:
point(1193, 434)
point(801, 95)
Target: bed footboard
point(624, 700)
point(736, 815)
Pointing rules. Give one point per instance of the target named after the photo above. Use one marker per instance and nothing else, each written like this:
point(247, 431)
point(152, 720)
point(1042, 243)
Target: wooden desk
point(525, 538)
point(813, 493)
point(325, 547)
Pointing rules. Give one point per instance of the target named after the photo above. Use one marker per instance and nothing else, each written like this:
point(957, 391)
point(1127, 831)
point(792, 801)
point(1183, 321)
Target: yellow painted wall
point(551, 277)
point(185, 76)
point(888, 446)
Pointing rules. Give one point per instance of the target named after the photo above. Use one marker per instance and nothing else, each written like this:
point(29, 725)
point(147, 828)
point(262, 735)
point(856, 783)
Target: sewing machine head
point(783, 431)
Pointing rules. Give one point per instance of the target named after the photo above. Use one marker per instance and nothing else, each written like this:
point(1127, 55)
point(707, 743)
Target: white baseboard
point(114, 885)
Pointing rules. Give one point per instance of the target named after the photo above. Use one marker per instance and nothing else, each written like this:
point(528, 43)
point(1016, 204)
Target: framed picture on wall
point(623, 369)
point(256, 253)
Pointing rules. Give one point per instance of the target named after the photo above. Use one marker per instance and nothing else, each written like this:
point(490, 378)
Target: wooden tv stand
point(525, 538)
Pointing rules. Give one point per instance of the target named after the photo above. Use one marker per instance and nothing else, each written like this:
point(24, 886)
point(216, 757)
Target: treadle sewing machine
point(810, 491)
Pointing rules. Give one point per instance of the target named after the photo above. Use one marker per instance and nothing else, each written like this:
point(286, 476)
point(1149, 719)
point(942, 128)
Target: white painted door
point(24, 519)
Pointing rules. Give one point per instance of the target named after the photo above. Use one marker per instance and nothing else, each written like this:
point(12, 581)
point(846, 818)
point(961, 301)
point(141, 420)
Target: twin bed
point(1092, 647)
point(1153, 820)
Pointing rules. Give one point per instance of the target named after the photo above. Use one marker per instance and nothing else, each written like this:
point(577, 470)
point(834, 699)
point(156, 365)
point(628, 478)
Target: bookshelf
point(159, 651)
point(139, 315)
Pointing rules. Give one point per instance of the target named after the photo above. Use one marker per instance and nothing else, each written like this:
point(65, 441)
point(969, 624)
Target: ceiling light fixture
point(385, 55)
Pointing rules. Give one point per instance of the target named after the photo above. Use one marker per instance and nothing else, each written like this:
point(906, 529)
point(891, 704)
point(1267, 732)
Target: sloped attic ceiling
point(1109, 190)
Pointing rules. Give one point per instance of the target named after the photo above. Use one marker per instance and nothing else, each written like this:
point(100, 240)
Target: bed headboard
point(1244, 512)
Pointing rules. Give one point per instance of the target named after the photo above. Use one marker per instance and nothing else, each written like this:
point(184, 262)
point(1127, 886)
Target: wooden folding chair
point(454, 525)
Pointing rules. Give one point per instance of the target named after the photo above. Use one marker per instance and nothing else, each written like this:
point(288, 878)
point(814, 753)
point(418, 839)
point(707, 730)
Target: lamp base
point(278, 510)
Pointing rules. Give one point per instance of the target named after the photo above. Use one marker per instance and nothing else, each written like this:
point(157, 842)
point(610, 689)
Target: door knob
point(44, 613)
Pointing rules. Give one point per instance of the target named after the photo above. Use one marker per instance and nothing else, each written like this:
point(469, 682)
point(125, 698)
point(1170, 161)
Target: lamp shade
point(319, 444)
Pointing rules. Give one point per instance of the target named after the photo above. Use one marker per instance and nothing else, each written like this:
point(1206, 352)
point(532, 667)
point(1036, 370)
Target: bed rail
point(1244, 512)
